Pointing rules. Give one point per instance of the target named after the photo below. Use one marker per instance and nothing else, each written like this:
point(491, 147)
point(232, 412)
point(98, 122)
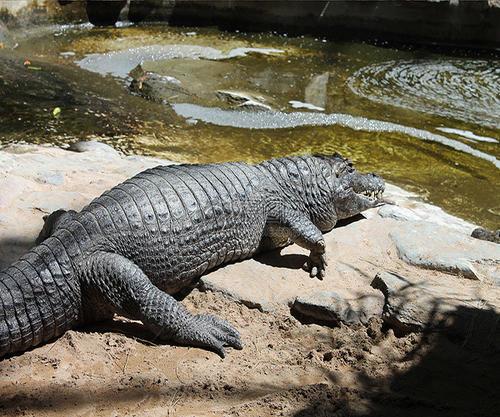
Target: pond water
point(426, 120)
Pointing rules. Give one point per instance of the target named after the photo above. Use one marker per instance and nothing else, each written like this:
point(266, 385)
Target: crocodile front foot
point(316, 263)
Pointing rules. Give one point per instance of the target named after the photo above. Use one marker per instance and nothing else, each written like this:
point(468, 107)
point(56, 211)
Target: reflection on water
point(281, 120)
point(467, 134)
point(467, 90)
point(120, 63)
point(424, 120)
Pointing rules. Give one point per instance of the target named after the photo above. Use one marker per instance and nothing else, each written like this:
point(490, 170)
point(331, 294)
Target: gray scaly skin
point(157, 232)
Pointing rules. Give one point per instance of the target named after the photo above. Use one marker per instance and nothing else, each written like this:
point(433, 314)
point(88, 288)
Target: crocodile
point(133, 248)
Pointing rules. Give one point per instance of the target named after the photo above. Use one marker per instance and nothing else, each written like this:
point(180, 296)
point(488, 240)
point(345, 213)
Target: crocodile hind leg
point(125, 286)
point(296, 227)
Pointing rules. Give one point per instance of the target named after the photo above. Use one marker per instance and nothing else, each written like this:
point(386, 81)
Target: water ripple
point(466, 90)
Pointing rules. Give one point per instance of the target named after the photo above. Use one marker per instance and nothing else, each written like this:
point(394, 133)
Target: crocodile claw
point(210, 332)
point(316, 265)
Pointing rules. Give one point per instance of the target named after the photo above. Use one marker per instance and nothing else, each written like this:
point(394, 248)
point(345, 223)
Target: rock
point(244, 51)
point(439, 248)
point(409, 206)
point(488, 235)
point(93, 146)
point(397, 213)
point(247, 295)
point(158, 88)
point(332, 308)
point(244, 100)
point(426, 304)
point(237, 97)
point(253, 105)
point(316, 90)
point(52, 178)
point(67, 54)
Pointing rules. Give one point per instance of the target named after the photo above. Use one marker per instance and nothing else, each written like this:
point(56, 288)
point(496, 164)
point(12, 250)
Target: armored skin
point(153, 235)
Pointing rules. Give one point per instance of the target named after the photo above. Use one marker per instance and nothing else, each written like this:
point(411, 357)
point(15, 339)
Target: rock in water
point(316, 90)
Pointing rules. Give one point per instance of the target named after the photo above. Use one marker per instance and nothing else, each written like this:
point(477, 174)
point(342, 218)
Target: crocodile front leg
point(298, 228)
point(125, 286)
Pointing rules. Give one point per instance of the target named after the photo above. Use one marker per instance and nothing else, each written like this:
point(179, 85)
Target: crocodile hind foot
point(209, 332)
point(129, 291)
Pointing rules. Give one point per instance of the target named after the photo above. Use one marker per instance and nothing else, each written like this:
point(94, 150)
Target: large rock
point(439, 248)
point(461, 307)
point(409, 206)
point(333, 308)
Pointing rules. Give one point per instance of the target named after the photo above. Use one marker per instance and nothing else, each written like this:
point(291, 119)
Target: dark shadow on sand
point(454, 372)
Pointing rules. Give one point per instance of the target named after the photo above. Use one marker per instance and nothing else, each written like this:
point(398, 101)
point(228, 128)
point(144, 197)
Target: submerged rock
point(158, 88)
point(244, 100)
point(316, 90)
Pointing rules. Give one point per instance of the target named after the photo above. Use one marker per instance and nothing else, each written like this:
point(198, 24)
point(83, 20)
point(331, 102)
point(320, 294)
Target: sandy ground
point(287, 367)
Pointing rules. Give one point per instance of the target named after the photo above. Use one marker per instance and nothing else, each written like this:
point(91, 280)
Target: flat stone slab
point(410, 207)
point(439, 248)
point(355, 253)
point(460, 306)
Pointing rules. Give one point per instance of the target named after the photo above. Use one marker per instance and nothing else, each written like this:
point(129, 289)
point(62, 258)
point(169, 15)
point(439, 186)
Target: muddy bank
point(361, 342)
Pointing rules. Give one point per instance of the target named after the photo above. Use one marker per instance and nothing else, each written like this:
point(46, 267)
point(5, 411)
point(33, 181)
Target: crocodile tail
point(39, 300)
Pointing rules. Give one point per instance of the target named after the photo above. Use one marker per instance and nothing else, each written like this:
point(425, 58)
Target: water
point(464, 89)
point(425, 120)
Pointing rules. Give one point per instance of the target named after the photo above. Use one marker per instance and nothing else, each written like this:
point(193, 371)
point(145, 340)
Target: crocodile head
point(356, 191)
point(352, 191)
